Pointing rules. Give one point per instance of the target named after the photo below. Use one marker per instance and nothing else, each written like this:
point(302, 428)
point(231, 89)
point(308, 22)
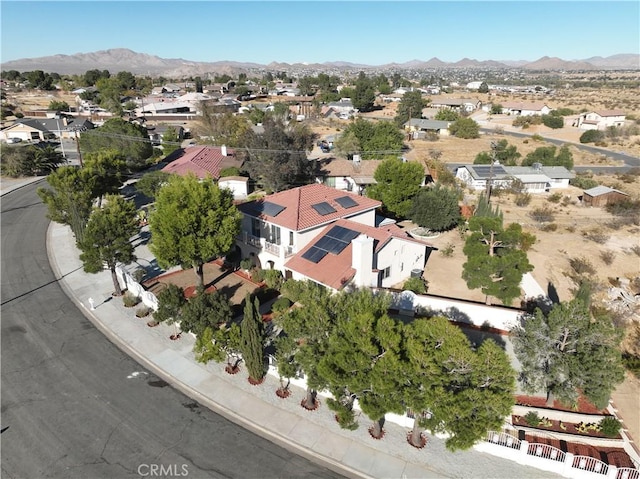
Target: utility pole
point(75, 132)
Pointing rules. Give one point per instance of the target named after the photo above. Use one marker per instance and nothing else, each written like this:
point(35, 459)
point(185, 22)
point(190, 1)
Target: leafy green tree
point(568, 352)
point(131, 140)
point(364, 94)
point(223, 129)
point(252, 339)
point(107, 168)
point(58, 105)
point(410, 106)
point(447, 114)
point(362, 358)
point(151, 182)
point(496, 109)
point(546, 155)
point(451, 388)
point(377, 140)
point(285, 360)
point(436, 208)
point(465, 128)
point(193, 222)
point(205, 310)
point(46, 159)
point(504, 153)
point(91, 77)
point(397, 182)
point(309, 326)
point(219, 344)
point(170, 141)
point(278, 157)
point(171, 300)
point(70, 200)
point(107, 238)
point(483, 88)
point(495, 259)
point(39, 80)
point(347, 144)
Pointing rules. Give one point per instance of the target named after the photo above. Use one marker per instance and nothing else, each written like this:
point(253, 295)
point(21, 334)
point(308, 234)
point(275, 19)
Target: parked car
point(14, 140)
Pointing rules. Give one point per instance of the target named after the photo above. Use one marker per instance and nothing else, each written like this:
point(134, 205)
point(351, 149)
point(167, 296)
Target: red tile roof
point(298, 213)
point(335, 270)
point(203, 161)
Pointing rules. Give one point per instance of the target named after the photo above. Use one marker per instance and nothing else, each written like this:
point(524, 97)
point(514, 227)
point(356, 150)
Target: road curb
point(227, 413)
point(36, 179)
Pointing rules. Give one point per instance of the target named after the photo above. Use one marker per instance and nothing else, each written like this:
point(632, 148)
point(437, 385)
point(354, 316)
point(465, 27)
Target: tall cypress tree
point(252, 339)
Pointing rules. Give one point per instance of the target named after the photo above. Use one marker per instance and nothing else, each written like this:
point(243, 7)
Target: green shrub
point(583, 182)
point(552, 121)
point(542, 215)
point(550, 227)
point(257, 275)
point(417, 285)
point(448, 250)
point(632, 363)
point(591, 136)
point(130, 300)
point(610, 426)
point(281, 304)
point(532, 418)
point(607, 257)
point(555, 198)
point(246, 264)
point(143, 311)
point(523, 199)
point(582, 266)
point(273, 278)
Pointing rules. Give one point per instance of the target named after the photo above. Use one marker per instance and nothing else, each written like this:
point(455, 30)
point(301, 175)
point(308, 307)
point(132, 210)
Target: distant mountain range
point(122, 59)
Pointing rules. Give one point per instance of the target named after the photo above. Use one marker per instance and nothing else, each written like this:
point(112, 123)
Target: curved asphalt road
point(630, 161)
point(72, 405)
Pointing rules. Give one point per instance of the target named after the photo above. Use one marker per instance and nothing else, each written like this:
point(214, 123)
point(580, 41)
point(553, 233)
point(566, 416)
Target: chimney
point(223, 149)
point(362, 260)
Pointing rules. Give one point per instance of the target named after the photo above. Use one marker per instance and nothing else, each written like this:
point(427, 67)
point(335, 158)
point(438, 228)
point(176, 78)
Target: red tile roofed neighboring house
point(203, 161)
point(299, 214)
point(336, 270)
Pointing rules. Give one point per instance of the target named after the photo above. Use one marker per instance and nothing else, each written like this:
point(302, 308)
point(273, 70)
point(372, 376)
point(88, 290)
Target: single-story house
point(536, 178)
point(437, 126)
point(350, 175)
point(328, 236)
point(156, 132)
point(601, 120)
point(40, 129)
point(164, 108)
point(525, 109)
point(457, 104)
point(602, 196)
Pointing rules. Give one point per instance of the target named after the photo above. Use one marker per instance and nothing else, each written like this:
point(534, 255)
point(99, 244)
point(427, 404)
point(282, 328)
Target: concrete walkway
point(283, 421)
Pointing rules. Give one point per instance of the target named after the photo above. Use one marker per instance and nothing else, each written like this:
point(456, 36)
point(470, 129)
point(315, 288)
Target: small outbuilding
point(602, 196)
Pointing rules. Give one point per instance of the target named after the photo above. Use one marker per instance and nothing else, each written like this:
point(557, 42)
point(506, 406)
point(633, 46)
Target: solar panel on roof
point(343, 234)
point(323, 208)
point(314, 254)
point(270, 209)
point(346, 202)
point(485, 171)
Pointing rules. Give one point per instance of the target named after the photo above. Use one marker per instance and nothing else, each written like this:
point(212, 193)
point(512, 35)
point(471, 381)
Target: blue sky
point(368, 32)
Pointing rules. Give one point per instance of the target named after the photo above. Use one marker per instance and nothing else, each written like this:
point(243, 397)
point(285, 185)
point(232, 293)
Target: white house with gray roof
point(535, 178)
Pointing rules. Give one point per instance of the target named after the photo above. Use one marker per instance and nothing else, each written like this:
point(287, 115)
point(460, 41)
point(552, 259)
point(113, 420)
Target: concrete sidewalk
point(314, 435)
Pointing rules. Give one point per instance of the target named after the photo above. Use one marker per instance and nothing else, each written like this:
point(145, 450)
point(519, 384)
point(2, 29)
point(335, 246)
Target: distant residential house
point(350, 175)
point(525, 109)
point(535, 178)
point(602, 196)
point(456, 104)
point(435, 126)
point(164, 108)
point(342, 109)
point(601, 120)
point(207, 162)
point(156, 132)
point(40, 129)
point(329, 236)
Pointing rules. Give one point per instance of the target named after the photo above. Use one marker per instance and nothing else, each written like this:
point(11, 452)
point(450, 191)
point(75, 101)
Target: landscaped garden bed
point(551, 425)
